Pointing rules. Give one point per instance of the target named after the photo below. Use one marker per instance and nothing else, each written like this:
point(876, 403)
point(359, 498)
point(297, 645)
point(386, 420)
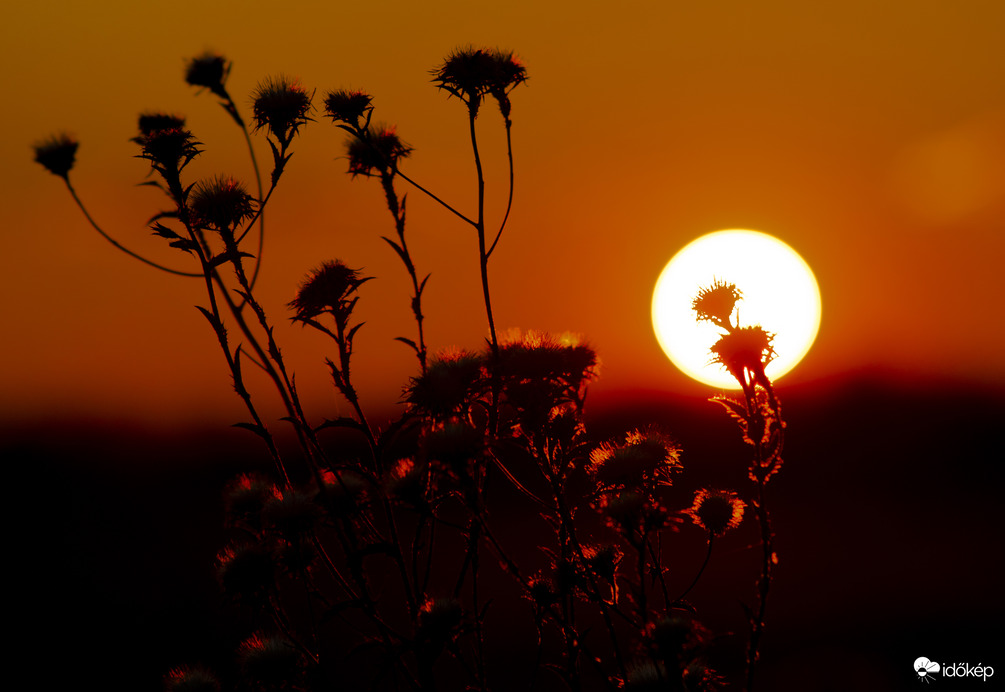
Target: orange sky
point(869, 136)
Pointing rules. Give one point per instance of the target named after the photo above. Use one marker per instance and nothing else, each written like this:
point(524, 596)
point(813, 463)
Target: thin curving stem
point(114, 242)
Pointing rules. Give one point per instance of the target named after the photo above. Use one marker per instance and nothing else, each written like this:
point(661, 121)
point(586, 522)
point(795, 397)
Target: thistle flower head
point(57, 154)
point(646, 458)
point(348, 106)
point(603, 560)
point(209, 70)
point(447, 383)
point(646, 676)
point(675, 638)
point(715, 303)
point(344, 491)
point(191, 679)
point(716, 511)
point(470, 73)
point(221, 203)
point(379, 149)
point(292, 513)
point(153, 121)
point(246, 570)
point(406, 483)
point(245, 497)
point(542, 592)
point(269, 660)
point(328, 288)
point(746, 348)
point(439, 618)
point(539, 356)
point(168, 149)
point(282, 105)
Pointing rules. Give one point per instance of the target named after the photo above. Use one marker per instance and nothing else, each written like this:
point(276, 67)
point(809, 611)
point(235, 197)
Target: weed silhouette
point(394, 564)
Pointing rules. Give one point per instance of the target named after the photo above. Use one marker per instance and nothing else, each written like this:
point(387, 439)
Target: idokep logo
point(928, 670)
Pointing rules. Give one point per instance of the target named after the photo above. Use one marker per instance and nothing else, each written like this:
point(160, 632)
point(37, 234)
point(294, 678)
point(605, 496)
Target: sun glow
point(779, 293)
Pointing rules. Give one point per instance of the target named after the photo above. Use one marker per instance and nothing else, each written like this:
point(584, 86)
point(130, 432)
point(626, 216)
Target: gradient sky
point(869, 136)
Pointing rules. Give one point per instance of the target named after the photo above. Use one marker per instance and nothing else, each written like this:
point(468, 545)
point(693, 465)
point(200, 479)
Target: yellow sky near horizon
point(868, 136)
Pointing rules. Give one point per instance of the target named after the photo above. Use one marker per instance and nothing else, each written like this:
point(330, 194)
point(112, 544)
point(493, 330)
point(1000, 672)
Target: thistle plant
point(744, 352)
point(389, 568)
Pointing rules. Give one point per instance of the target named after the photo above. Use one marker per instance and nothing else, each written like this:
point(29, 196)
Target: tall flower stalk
point(744, 352)
point(210, 71)
point(376, 152)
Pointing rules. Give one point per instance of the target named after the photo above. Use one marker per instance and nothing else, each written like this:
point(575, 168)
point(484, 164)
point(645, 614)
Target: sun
point(779, 292)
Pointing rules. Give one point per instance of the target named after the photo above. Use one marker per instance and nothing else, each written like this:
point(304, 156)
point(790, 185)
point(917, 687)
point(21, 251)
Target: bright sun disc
point(779, 293)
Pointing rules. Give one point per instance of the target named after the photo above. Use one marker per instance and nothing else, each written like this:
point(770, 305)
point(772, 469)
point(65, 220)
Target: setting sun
point(779, 293)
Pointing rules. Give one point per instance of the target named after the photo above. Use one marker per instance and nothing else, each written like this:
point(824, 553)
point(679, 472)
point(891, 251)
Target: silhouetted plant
point(381, 565)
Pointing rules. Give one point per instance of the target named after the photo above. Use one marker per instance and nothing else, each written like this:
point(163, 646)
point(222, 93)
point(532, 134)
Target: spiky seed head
point(221, 203)
point(327, 289)
point(746, 348)
point(439, 618)
point(209, 70)
point(191, 679)
point(471, 73)
point(716, 511)
point(716, 302)
point(57, 154)
point(380, 150)
point(246, 570)
point(270, 660)
point(168, 149)
point(149, 122)
point(291, 512)
point(282, 105)
point(347, 106)
point(450, 379)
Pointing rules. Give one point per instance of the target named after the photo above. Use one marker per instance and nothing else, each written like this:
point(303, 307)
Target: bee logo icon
point(925, 669)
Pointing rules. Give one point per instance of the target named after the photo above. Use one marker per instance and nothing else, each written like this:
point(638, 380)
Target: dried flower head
point(348, 106)
point(271, 661)
point(449, 382)
point(406, 483)
point(282, 105)
point(191, 679)
point(647, 458)
point(470, 74)
point(542, 592)
point(439, 618)
point(153, 121)
point(744, 348)
point(715, 303)
point(378, 149)
point(209, 70)
point(716, 511)
point(539, 356)
point(245, 497)
point(677, 641)
point(291, 512)
point(169, 149)
point(646, 676)
point(602, 560)
point(57, 154)
point(328, 288)
point(246, 570)
point(345, 491)
point(221, 203)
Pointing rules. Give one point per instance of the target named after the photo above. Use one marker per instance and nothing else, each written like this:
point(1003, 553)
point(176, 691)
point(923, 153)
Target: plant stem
point(701, 570)
point(118, 245)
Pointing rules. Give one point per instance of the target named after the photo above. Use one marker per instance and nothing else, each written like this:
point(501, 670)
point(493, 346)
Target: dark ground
point(887, 515)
